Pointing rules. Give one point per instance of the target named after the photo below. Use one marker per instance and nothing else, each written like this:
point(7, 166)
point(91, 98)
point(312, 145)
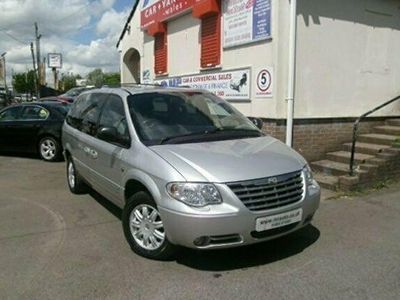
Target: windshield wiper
point(253, 132)
point(169, 138)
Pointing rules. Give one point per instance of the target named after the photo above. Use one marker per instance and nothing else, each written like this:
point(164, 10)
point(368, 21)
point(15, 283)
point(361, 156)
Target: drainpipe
point(291, 73)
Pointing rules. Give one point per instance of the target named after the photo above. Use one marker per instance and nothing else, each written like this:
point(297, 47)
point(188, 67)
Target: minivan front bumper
point(207, 231)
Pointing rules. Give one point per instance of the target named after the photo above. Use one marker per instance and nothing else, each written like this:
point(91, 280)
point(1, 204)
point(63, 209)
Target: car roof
point(42, 103)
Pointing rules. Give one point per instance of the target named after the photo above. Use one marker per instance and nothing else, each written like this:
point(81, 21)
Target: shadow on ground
point(235, 258)
point(107, 204)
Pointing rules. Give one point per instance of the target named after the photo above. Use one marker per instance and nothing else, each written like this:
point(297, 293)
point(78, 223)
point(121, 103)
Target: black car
point(33, 127)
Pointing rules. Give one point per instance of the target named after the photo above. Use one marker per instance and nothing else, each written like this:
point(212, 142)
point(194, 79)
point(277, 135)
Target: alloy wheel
point(48, 149)
point(146, 227)
point(71, 174)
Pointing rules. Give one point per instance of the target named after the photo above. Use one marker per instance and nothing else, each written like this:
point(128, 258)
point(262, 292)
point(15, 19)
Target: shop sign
point(246, 21)
point(154, 11)
point(54, 60)
point(229, 85)
point(264, 82)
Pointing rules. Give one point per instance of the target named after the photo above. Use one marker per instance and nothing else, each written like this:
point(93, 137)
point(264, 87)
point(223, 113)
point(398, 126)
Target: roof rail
point(140, 84)
point(153, 85)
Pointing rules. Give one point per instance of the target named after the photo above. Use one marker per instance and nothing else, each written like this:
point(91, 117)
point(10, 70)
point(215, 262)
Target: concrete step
point(344, 157)
point(388, 129)
point(393, 122)
point(377, 138)
point(366, 148)
point(327, 181)
point(370, 168)
point(328, 167)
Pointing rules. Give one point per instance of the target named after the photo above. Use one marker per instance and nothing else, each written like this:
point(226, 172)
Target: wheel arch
point(141, 182)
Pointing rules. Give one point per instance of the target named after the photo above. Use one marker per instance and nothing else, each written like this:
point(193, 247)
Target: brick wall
point(313, 138)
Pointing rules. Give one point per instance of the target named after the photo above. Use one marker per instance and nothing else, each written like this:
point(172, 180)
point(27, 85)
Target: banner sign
point(264, 82)
point(54, 60)
point(229, 85)
point(154, 11)
point(246, 21)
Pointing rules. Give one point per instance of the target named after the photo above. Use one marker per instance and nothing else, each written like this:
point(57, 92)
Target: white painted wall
point(348, 57)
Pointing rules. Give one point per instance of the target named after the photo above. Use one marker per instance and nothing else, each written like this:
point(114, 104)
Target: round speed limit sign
point(263, 80)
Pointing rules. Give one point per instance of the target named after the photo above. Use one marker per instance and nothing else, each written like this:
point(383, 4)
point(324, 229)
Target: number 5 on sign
point(264, 82)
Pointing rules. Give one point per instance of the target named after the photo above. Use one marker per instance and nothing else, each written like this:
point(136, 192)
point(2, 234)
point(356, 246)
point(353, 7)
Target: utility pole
point(4, 75)
point(38, 36)
point(34, 70)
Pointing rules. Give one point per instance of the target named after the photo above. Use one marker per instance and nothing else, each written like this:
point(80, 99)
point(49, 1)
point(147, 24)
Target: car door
point(8, 120)
point(32, 120)
point(106, 156)
point(84, 118)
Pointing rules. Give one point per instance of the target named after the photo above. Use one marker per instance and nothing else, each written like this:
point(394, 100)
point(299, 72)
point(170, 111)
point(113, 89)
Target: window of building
point(160, 53)
point(211, 40)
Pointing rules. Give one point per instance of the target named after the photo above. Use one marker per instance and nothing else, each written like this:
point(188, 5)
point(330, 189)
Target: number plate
point(280, 220)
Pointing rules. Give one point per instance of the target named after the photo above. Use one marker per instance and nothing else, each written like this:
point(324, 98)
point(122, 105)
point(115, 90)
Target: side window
point(113, 115)
point(74, 114)
point(10, 114)
point(90, 113)
point(34, 113)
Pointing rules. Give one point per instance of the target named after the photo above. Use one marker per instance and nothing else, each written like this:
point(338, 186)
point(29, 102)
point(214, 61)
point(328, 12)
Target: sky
point(85, 32)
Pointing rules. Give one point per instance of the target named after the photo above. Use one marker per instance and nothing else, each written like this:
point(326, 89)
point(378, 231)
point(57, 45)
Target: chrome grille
point(269, 192)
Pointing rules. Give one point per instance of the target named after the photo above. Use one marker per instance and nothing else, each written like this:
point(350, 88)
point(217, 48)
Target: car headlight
point(308, 175)
point(194, 194)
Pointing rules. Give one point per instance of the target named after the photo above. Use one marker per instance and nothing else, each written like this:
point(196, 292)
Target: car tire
point(49, 149)
point(75, 182)
point(146, 235)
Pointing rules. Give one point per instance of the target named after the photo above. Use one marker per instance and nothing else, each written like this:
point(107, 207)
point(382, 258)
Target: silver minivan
point(187, 169)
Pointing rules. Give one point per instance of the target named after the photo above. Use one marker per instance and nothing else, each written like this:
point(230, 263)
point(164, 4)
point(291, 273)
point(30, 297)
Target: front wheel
point(49, 149)
point(75, 182)
point(144, 228)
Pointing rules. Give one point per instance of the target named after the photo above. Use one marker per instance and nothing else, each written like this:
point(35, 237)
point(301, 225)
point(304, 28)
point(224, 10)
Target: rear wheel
point(49, 149)
point(75, 182)
point(144, 228)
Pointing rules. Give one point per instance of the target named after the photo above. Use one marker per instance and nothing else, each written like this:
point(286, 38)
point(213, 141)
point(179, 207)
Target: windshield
point(161, 117)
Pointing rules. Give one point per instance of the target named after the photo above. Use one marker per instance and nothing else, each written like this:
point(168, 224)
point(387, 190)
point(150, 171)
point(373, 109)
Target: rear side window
point(91, 112)
point(10, 114)
point(73, 117)
point(113, 115)
point(85, 112)
point(34, 113)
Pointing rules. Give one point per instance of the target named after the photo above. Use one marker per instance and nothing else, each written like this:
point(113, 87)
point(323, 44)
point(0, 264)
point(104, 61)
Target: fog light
point(201, 241)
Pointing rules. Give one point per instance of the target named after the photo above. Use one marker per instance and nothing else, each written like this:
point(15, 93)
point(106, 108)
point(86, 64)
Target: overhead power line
point(13, 37)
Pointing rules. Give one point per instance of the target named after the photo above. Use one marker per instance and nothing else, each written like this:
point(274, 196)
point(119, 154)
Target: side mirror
point(256, 121)
point(108, 134)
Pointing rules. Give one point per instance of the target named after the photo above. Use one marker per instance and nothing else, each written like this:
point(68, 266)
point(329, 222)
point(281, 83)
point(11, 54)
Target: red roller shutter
point(211, 41)
point(160, 53)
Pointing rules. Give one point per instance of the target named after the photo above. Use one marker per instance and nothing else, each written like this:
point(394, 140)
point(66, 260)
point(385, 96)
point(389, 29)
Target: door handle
point(93, 153)
point(86, 150)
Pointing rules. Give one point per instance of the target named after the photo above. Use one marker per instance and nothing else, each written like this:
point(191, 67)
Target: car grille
point(269, 192)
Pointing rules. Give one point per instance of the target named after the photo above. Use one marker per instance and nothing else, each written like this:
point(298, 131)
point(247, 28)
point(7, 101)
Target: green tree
point(24, 82)
point(96, 78)
point(112, 78)
point(69, 81)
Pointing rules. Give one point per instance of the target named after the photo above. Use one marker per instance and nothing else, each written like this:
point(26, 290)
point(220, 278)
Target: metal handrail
point(355, 128)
